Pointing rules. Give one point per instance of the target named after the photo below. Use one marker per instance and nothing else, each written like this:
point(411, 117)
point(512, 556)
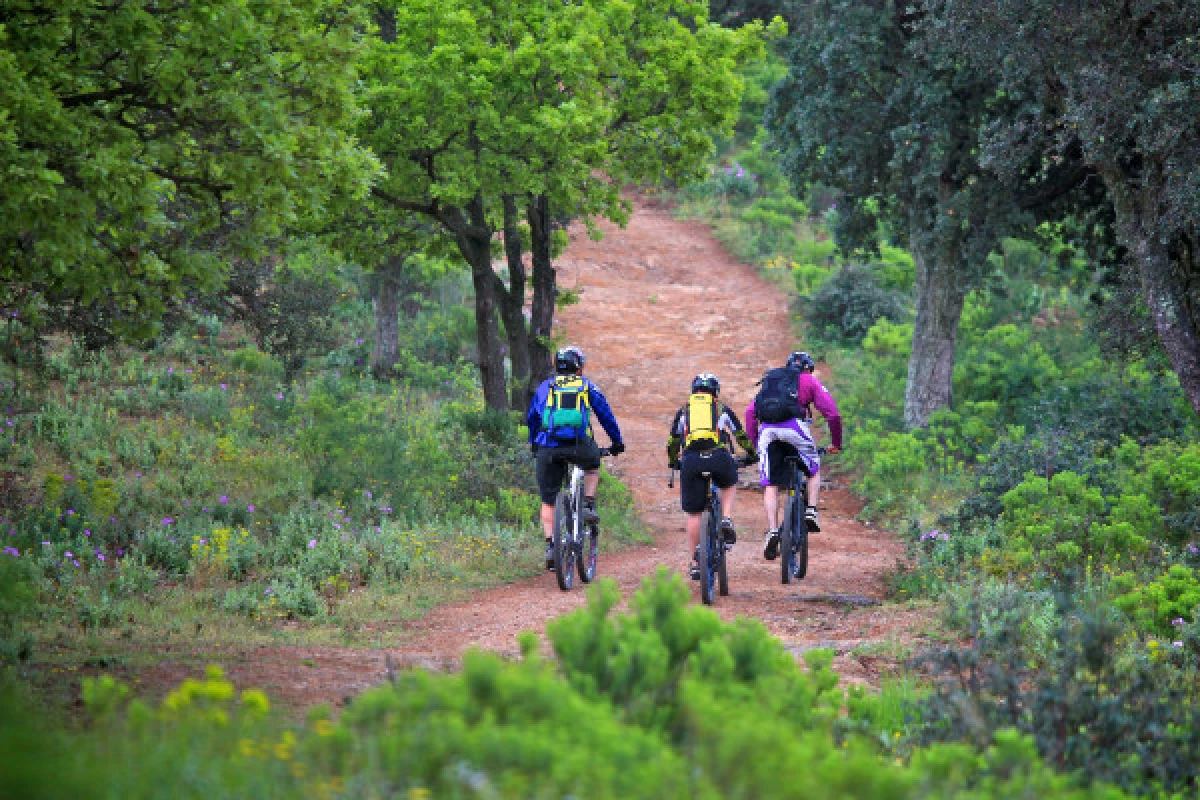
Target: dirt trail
point(661, 301)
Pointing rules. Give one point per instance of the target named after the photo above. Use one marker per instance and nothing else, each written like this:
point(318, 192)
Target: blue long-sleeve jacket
point(599, 403)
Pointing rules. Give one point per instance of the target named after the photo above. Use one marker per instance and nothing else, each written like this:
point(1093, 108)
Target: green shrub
point(849, 303)
point(1063, 524)
point(665, 700)
point(1092, 704)
point(892, 472)
point(1163, 605)
point(1006, 366)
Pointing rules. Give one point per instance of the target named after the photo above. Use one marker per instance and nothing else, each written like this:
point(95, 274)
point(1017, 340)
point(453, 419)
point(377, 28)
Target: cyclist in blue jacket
point(560, 434)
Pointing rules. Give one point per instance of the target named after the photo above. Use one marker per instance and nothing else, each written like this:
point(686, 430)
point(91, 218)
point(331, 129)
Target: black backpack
point(777, 400)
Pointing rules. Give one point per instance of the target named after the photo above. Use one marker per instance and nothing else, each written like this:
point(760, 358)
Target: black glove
point(674, 465)
point(533, 448)
point(751, 458)
point(617, 448)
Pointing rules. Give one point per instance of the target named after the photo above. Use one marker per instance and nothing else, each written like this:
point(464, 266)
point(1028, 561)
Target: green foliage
point(1005, 366)
point(1062, 523)
point(846, 306)
point(665, 700)
point(1163, 605)
point(1090, 701)
point(130, 148)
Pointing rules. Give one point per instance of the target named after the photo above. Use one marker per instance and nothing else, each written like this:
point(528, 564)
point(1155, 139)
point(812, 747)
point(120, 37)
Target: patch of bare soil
point(661, 301)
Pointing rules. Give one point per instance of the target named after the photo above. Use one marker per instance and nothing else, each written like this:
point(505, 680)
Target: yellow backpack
point(700, 421)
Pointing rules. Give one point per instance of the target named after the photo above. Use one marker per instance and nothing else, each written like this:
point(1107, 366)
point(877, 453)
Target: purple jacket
point(810, 393)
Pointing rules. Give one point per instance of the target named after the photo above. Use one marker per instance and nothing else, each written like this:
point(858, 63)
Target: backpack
point(777, 400)
point(700, 422)
point(567, 408)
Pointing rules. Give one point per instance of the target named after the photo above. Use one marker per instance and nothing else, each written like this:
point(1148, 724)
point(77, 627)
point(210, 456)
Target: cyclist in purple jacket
point(777, 440)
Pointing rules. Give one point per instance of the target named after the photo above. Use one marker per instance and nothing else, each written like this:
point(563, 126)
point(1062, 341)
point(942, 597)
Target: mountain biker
point(706, 429)
point(560, 434)
point(788, 434)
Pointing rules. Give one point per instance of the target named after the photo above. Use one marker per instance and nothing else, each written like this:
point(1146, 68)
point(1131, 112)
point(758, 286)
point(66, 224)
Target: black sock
point(589, 501)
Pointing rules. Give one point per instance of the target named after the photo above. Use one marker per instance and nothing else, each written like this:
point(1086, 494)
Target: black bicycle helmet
point(802, 361)
point(706, 382)
point(568, 359)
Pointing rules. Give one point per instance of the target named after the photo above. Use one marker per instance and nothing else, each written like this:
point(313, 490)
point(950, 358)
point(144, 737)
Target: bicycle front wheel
point(564, 555)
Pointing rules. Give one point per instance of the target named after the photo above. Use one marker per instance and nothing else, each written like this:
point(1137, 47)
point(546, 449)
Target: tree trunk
point(1163, 281)
point(940, 298)
point(541, 355)
point(387, 318)
point(475, 243)
point(512, 307)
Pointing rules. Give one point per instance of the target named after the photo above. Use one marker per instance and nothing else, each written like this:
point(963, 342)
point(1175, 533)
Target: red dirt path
point(661, 301)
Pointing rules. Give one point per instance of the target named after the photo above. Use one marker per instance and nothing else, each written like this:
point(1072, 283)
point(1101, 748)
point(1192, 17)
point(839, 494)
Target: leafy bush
point(665, 700)
point(1005, 366)
point(850, 302)
point(1063, 523)
point(1125, 716)
point(1163, 605)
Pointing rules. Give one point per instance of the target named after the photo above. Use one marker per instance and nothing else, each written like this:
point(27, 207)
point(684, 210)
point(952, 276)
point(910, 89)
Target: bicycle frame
point(576, 546)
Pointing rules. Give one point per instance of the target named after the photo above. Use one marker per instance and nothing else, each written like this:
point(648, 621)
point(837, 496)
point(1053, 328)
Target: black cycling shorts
point(552, 463)
point(782, 472)
point(693, 483)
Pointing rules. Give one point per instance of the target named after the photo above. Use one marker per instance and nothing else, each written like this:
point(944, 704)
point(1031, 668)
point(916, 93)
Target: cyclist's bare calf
point(692, 523)
point(771, 500)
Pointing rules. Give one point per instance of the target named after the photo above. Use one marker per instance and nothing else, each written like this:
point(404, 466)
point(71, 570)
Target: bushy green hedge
point(665, 700)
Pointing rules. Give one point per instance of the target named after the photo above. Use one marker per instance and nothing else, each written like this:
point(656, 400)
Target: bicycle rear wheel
point(787, 542)
point(800, 525)
point(708, 558)
point(587, 544)
point(564, 556)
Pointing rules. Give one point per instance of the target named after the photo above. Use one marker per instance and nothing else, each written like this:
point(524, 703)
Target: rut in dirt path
point(661, 301)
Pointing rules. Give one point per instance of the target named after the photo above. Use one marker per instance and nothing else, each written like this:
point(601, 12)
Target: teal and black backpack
point(567, 408)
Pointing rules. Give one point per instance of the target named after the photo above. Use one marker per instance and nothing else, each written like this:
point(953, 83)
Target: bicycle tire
point(801, 526)
point(786, 542)
point(564, 559)
point(587, 545)
point(722, 553)
point(708, 527)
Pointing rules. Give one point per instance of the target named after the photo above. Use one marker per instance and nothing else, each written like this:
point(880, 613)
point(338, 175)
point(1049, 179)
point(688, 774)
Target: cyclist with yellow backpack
point(706, 430)
point(560, 434)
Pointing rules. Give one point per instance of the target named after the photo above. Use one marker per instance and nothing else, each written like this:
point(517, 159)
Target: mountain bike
point(576, 545)
point(793, 534)
point(714, 574)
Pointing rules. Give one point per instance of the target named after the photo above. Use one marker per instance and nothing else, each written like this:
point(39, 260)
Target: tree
point(138, 139)
point(1115, 90)
point(482, 108)
point(871, 108)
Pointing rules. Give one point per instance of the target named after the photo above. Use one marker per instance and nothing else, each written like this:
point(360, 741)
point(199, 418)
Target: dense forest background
point(250, 280)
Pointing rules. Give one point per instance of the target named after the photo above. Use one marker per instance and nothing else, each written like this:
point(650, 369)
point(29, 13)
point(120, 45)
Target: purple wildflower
point(167, 520)
point(68, 554)
point(250, 509)
point(1177, 621)
point(224, 499)
point(279, 396)
point(1177, 644)
point(358, 341)
point(76, 562)
point(86, 532)
point(70, 511)
point(12, 551)
point(312, 544)
point(100, 556)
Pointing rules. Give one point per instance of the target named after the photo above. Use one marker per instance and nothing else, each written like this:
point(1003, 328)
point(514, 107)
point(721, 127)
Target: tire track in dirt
point(661, 301)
